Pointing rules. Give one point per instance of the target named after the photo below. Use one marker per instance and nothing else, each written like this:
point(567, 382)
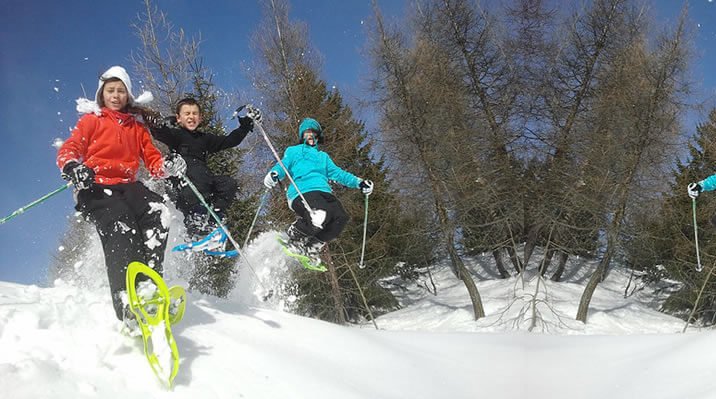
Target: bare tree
point(420, 110)
point(171, 67)
point(486, 183)
point(568, 76)
point(165, 58)
point(637, 119)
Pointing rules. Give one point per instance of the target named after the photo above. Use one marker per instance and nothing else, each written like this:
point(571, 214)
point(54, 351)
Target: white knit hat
point(121, 74)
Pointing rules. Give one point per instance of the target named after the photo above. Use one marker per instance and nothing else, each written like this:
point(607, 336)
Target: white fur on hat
point(121, 74)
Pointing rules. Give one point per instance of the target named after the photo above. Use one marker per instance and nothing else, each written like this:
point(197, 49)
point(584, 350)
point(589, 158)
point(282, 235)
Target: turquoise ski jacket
point(311, 169)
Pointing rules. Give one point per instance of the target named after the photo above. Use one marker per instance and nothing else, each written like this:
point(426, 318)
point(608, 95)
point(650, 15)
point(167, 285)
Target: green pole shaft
point(699, 267)
point(216, 217)
point(211, 211)
point(361, 265)
point(35, 202)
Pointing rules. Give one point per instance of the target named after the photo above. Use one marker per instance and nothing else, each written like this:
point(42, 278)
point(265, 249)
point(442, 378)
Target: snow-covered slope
point(63, 342)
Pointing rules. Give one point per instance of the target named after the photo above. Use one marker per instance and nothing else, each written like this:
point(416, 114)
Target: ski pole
point(278, 158)
point(35, 202)
point(699, 267)
point(361, 265)
point(208, 208)
point(256, 216)
point(226, 231)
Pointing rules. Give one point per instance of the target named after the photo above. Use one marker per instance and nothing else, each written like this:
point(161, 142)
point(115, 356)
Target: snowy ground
point(63, 342)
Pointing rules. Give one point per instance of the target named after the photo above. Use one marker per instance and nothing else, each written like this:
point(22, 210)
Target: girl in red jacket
point(101, 158)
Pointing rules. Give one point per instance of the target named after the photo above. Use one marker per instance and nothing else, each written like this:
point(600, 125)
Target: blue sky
point(50, 49)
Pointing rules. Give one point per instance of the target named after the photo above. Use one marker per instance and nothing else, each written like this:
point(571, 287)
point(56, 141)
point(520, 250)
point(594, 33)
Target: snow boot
point(296, 240)
point(313, 250)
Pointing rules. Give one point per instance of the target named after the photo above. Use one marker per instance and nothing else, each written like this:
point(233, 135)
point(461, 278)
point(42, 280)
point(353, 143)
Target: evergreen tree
point(292, 89)
point(666, 250)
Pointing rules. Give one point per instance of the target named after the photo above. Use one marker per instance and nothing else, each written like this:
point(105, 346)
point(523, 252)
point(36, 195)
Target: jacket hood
point(121, 74)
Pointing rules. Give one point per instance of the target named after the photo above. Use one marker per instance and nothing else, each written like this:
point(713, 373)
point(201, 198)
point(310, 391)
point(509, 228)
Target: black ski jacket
point(196, 145)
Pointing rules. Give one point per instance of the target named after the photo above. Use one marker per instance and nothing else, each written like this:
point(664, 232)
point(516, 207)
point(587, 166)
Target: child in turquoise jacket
point(311, 169)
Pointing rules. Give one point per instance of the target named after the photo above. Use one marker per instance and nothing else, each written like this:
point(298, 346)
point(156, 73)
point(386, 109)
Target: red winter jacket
point(112, 144)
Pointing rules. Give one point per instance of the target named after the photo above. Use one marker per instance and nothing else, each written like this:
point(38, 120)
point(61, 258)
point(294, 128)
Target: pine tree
point(394, 244)
point(292, 90)
point(666, 251)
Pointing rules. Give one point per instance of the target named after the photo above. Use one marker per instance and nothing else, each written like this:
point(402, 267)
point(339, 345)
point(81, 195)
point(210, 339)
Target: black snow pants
point(218, 191)
point(336, 216)
point(128, 218)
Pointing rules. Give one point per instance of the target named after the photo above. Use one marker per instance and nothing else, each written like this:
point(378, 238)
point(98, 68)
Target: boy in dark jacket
point(195, 146)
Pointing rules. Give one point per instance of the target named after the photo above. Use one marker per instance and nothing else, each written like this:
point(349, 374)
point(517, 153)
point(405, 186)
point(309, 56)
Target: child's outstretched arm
point(341, 176)
point(218, 143)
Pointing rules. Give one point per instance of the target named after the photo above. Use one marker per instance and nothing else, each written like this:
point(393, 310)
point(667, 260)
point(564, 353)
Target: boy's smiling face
point(189, 117)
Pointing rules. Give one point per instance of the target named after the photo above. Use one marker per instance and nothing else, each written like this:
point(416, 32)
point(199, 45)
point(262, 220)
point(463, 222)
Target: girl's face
point(114, 95)
point(309, 137)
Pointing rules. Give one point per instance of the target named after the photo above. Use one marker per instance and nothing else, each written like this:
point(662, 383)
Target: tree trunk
point(516, 262)
point(332, 276)
point(594, 280)
point(464, 275)
point(561, 264)
point(598, 275)
point(531, 243)
point(546, 262)
point(457, 263)
point(500, 265)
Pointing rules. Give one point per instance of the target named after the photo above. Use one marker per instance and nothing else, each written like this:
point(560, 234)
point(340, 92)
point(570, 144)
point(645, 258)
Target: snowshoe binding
point(308, 262)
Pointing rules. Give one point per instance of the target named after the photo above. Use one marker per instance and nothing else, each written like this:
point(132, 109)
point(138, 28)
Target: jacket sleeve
point(339, 175)
point(75, 148)
point(287, 160)
point(166, 136)
point(709, 183)
point(217, 143)
point(151, 156)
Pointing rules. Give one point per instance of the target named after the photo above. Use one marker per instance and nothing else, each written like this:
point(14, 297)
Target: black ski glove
point(170, 120)
point(246, 123)
point(81, 176)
